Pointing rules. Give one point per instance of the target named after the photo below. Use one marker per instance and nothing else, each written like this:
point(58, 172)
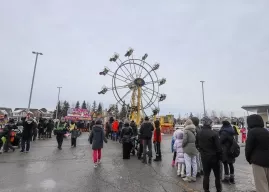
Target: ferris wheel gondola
point(136, 80)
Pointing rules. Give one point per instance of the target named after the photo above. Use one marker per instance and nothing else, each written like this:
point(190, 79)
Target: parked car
point(216, 127)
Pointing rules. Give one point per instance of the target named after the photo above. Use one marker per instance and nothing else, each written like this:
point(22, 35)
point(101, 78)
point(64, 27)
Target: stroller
point(15, 137)
point(135, 144)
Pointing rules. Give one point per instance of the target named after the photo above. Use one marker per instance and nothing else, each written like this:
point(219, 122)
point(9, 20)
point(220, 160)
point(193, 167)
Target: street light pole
point(203, 96)
point(58, 101)
point(33, 79)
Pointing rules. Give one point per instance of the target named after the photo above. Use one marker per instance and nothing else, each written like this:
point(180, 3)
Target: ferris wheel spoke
point(118, 87)
point(126, 95)
point(151, 82)
point(125, 79)
point(154, 92)
point(149, 103)
point(120, 65)
point(134, 66)
point(150, 100)
point(140, 70)
point(151, 92)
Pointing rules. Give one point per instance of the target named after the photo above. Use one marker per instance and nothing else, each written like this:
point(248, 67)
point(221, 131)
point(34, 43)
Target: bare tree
point(213, 114)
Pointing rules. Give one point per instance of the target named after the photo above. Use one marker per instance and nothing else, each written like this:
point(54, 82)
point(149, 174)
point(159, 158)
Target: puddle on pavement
point(36, 167)
point(48, 184)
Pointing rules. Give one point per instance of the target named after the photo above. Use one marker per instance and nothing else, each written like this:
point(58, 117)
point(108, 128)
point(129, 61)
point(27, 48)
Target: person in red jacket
point(157, 138)
point(244, 134)
point(115, 130)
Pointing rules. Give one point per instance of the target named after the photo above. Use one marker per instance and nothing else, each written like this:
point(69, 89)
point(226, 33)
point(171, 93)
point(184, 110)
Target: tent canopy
point(256, 108)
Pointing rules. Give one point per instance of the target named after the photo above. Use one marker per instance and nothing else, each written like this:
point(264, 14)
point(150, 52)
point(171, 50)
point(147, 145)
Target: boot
point(232, 179)
point(149, 161)
point(226, 179)
point(157, 158)
point(144, 160)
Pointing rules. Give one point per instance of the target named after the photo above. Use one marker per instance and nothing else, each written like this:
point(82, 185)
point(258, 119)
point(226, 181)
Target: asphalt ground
point(47, 169)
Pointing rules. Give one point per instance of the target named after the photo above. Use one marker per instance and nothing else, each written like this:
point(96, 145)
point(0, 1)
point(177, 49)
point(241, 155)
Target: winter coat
point(115, 126)
point(27, 130)
point(208, 144)
point(257, 145)
point(189, 140)
point(172, 143)
point(50, 126)
point(134, 127)
point(97, 137)
point(227, 134)
point(157, 138)
point(61, 129)
point(74, 133)
point(126, 134)
point(178, 146)
point(146, 130)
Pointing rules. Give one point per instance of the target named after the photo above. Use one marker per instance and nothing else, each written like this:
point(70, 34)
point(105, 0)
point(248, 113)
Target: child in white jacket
point(180, 162)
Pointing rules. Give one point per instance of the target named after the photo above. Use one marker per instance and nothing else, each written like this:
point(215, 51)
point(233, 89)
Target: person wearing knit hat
point(126, 134)
point(195, 121)
point(190, 151)
point(208, 144)
point(257, 152)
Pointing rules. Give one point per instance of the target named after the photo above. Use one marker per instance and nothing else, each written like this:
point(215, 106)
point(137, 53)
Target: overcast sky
point(224, 43)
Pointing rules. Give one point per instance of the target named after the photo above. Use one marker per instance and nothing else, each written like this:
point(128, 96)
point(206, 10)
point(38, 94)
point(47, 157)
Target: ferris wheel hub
point(139, 82)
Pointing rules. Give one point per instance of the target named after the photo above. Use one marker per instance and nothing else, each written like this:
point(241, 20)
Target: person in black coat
point(126, 134)
point(227, 134)
point(40, 128)
point(134, 127)
point(50, 127)
point(257, 151)
point(208, 144)
point(27, 134)
point(146, 135)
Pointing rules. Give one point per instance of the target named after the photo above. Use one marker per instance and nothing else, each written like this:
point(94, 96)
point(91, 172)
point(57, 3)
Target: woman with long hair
point(157, 138)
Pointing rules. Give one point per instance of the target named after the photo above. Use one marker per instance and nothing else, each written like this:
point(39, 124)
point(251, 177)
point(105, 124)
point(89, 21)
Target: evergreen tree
point(191, 115)
point(84, 106)
point(100, 109)
point(116, 112)
point(123, 112)
point(65, 108)
point(88, 106)
point(94, 106)
point(77, 105)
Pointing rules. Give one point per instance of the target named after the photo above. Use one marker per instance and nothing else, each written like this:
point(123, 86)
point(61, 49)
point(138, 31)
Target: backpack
point(235, 149)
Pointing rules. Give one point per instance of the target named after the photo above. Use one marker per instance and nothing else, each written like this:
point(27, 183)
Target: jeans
point(147, 143)
point(74, 142)
point(96, 154)
point(174, 156)
point(228, 170)
point(25, 142)
point(158, 150)
point(211, 163)
point(8, 146)
point(190, 162)
point(199, 163)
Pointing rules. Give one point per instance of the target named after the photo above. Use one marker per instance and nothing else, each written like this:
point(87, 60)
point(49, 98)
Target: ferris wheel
point(135, 84)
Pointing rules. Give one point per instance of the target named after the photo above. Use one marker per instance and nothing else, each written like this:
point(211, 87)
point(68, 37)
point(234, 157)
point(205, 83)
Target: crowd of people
point(197, 150)
point(32, 129)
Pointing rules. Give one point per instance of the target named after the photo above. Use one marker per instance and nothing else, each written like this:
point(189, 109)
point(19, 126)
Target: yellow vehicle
point(167, 123)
